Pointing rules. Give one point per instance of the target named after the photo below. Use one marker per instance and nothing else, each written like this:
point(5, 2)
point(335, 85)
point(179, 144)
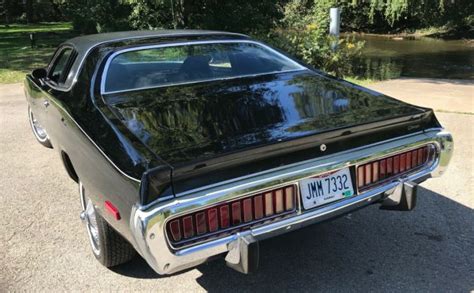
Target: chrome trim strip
point(179, 44)
point(148, 223)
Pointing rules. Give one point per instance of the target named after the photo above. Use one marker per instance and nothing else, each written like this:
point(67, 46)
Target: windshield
point(184, 63)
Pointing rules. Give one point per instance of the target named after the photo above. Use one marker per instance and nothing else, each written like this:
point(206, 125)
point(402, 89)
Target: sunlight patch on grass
point(17, 58)
point(11, 76)
point(361, 82)
point(40, 27)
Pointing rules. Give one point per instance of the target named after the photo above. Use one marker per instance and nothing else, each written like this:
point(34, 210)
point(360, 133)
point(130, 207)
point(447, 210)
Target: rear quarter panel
point(101, 178)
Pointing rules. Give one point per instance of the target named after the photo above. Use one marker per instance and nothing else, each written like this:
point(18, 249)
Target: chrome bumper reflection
point(148, 223)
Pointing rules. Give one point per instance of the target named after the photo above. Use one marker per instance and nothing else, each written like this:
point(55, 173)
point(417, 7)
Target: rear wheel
point(39, 132)
point(108, 246)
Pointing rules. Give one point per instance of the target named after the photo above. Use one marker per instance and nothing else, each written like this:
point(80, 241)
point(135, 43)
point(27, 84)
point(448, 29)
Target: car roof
point(84, 43)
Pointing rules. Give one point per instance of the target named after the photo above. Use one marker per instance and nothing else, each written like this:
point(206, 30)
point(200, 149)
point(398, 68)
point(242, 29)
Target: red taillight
point(175, 230)
point(289, 198)
point(224, 216)
point(376, 171)
point(212, 220)
point(403, 162)
point(360, 179)
point(279, 203)
point(239, 214)
point(383, 169)
point(368, 174)
point(389, 167)
point(268, 204)
point(188, 227)
point(236, 213)
point(396, 164)
point(420, 156)
point(258, 206)
point(408, 159)
point(247, 204)
point(201, 227)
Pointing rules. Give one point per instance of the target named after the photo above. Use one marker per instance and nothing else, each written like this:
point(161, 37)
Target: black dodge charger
point(187, 145)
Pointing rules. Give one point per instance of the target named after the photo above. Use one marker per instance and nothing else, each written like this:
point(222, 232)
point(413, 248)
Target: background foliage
point(299, 27)
point(242, 15)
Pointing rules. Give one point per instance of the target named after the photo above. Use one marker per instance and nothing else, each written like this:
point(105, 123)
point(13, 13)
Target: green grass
point(17, 57)
point(37, 27)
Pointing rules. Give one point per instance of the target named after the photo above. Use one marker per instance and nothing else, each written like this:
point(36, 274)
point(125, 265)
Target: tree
point(92, 16)
point(11, 10)
point(237, 16)
point(29, 11)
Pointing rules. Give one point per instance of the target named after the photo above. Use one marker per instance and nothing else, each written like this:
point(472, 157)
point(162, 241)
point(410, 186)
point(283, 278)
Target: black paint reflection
point(202, 120)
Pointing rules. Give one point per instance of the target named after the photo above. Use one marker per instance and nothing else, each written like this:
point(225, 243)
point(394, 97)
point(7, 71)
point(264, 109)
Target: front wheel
point(39, 132)
point(108, 246)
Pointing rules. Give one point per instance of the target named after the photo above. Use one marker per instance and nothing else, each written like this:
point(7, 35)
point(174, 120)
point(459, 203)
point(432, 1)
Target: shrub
point(303, 32)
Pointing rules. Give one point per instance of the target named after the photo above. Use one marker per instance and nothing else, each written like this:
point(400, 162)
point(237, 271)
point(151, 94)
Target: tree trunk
point(183, 10)
point(6, 4)
point(29, 11)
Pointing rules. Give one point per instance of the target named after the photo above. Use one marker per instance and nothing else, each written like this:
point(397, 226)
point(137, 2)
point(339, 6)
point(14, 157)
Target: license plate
point(327, 188)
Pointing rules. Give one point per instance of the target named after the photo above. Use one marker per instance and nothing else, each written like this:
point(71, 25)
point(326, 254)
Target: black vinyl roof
point(87, 42)
point(84, 44)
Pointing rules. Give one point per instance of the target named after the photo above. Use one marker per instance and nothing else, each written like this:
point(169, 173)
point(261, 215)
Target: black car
point(188, 145)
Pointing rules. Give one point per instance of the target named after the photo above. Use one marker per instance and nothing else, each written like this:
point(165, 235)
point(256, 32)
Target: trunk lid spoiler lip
point(166, 174)
point(307, 141)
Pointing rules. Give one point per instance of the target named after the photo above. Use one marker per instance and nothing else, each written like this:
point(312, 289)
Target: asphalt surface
point(44, 246)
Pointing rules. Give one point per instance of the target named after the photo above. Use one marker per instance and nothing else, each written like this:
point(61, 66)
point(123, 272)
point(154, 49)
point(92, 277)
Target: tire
point(38, 131)
point(108, 246)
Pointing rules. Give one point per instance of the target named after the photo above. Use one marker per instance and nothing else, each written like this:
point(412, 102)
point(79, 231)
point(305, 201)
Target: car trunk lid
point(227, 124)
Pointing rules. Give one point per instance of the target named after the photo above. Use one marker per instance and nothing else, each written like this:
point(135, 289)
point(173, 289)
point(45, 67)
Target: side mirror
point(39, 74)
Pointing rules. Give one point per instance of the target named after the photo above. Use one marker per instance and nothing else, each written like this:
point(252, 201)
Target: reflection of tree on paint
point(197, 121)
point(334, 104)
point(200, 117)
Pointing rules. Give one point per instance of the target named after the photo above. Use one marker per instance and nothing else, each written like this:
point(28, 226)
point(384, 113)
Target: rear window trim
point(140, 48)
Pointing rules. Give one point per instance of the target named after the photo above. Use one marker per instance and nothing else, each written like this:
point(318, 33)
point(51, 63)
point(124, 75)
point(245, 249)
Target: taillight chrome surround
point(233, 216)
point(381, 170)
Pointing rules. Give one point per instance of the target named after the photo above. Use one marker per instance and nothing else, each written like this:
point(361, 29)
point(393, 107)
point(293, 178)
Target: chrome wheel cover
point(38, 130)
point(89, 217)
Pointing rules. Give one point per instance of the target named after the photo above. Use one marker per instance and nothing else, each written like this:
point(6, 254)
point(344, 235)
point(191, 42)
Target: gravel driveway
point(44, 246)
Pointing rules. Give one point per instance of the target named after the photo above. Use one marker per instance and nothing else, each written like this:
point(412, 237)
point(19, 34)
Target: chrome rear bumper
point(148, 222)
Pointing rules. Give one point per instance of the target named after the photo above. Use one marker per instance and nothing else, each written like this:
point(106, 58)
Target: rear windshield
point(161, 66)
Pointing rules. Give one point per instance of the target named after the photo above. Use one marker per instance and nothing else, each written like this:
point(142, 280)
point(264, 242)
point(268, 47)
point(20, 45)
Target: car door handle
point(45, 103)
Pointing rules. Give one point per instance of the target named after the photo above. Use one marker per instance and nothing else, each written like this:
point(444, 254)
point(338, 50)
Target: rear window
point(161, 66)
